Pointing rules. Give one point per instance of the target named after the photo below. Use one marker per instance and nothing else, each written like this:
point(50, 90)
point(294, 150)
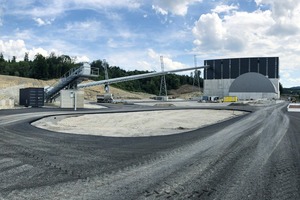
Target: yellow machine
point(230, 99)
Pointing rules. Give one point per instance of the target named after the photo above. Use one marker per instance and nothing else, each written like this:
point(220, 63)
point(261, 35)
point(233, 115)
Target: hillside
point(186, 92)
point(10, 86)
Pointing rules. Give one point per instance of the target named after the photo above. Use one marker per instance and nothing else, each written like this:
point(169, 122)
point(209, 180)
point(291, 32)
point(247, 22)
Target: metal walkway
point(70, 80)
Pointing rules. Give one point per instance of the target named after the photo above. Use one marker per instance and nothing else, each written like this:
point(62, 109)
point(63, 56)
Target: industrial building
point(246, 78)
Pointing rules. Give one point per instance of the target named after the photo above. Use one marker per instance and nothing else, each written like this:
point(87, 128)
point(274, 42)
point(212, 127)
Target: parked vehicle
point(214, 99)
point(203, 99)
point(105, 98)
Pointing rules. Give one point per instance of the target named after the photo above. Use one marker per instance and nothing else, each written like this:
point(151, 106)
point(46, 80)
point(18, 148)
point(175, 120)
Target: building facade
point(223, 72)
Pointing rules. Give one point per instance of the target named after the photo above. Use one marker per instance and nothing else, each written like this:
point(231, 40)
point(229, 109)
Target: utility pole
point(196, 75)
point(106, 86)
point(163, 84)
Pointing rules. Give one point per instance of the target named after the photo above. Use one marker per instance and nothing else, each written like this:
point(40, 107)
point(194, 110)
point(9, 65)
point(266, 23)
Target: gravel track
point(256, 156)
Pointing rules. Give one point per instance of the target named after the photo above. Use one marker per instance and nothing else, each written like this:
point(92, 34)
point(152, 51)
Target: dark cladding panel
point(263, 66)
point(218, 69)
point(226, 69)
point(208, 74)
point(244, 65)
point(254, 65)
point(234, 68)
point(205, 70)
point(272, 67)
point(277, 67)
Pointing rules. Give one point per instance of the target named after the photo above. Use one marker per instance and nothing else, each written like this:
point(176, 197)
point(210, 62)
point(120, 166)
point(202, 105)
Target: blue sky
point(133, 34)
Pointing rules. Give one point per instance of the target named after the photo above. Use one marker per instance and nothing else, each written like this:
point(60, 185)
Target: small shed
point(33, 97)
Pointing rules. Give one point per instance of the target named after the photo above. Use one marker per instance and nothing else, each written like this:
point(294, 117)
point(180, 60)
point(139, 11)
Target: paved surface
point(256, 156)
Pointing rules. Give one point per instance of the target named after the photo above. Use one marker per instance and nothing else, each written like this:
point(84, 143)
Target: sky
point(133, 34)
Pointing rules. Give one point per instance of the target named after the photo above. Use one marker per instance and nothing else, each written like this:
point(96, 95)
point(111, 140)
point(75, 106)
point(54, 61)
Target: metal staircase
point(70, 80)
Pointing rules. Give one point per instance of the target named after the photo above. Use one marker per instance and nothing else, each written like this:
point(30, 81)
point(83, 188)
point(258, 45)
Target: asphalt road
point(256, 156)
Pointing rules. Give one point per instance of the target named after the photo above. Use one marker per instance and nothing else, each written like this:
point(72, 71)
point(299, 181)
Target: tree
point(40, 67)
point(14, 58)
point(1, 57)
point(24, 69)
point(280, 88)
point(2, 63)
point(26, 57)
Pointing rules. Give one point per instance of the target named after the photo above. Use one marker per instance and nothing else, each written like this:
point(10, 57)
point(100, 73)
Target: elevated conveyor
point(70, 80)
point(136, 77)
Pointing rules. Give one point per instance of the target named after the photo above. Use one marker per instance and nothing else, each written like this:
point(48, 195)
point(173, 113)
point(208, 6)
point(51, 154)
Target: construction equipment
point(230, 99)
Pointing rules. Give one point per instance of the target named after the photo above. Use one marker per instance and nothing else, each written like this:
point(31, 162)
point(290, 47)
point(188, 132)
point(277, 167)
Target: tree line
point(54, 66)
point(40, 67)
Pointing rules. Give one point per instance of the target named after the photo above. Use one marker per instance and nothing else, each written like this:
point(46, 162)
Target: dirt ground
point(136, 124)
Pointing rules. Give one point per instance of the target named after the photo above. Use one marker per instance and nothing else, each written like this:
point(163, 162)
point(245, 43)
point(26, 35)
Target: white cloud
point(169, 64)
point(41, 22)
point(236, 32)
point(117, 44)
point(283, 30)
point(35, 51)
point(84, 30)
point(286, 14)
point(176, 7)
point(209, 31)
point(263, 32)
point(83, 58)
point(131, 60)
point(53, 8)
point(44, 9)
point(82, 26)
point(159, 10)
point(281, 8)
point(131, 4)
point(18, 48)
point(224, 8)
point(12, 48)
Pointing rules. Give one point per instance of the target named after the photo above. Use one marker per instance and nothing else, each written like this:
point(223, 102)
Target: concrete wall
point(217, 87)
point(276, 84)
point(67, 98)
point(7, 103)
point(252, 95)
point(220, 88)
